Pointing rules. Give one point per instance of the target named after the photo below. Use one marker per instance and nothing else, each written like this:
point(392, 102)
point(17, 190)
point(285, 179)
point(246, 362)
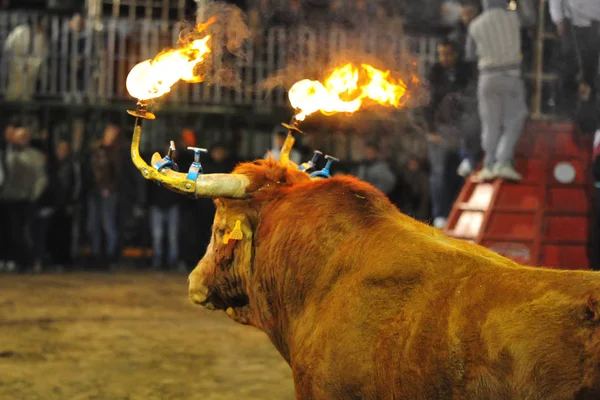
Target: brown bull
point(364, 302)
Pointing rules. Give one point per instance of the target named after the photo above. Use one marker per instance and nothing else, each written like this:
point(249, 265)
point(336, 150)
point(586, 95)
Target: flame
point(153, 78)
point(342, 92)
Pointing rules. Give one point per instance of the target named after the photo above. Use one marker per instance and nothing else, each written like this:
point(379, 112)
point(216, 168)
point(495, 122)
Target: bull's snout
point(198, 291)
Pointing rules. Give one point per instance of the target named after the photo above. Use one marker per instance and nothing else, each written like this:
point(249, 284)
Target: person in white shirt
point(577, 24)
point(495, 42)
point(25, 50)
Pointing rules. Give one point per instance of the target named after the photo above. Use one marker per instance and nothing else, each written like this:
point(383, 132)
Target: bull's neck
point(294, 280)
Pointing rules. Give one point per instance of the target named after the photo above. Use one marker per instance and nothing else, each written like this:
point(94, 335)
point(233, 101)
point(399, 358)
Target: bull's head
point(221, 279)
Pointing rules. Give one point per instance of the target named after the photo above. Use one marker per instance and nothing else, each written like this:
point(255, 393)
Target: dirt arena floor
point(127, 336)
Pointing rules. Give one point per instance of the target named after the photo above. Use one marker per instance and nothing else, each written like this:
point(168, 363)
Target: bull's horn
point(210, 185)
point(173, 182)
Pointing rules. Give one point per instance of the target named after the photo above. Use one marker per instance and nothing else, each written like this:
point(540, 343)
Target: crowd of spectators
point(56, 199)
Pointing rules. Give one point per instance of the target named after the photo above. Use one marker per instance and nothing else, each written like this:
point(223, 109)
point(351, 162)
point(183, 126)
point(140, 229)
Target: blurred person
point(447, 78)
point(61, 229)
point(25, 49)
point(190, 249)
point(74, 45)
point(412, 190)
point(165, 212)
point(103, 198)
point(375, 170)
point(468, 11)
point(578, 27)
point(44, 207)
point(595, 222)
point(6, 147)
point(220, 160)
point(278, 140)
point(495, 42)
point(25, 182)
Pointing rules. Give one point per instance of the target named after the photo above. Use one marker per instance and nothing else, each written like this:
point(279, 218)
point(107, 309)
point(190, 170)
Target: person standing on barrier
point(495, 42)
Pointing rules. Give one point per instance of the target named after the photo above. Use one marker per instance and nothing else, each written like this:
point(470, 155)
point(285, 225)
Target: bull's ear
point(591, 309)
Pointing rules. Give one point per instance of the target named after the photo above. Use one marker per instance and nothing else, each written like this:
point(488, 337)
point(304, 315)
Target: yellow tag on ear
point(236, 233)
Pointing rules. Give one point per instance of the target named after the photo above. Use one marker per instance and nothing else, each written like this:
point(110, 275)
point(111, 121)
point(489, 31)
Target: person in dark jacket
point(61, 229)
point(164, 218)
point(43, 208)
point(449, 76)
point(103, 198)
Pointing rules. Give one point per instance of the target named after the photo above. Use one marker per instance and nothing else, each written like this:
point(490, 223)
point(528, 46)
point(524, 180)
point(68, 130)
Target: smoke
point(229, 32)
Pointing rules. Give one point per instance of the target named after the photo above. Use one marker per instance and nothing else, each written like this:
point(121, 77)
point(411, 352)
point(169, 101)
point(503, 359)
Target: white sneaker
point(439, 223)
point(465, 168)
point(507, 171)
point(486, 174)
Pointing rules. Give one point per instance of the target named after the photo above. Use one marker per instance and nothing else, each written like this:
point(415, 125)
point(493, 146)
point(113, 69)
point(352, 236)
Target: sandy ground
point(127, 336)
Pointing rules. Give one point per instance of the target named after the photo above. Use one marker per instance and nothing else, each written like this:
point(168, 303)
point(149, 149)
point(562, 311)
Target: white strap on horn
point(222, 185)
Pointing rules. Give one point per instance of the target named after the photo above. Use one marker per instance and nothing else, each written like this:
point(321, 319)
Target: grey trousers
point(503, 111)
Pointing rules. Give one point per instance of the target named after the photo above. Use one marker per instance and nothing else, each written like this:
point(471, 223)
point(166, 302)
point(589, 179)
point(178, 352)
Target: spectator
point(375, 170)
point(25, 50)
point(190, 248)
point(61, 230)
point(448, 78)
point(415, 191)
point(74, 44)
point(43, 208)
point(164, 218)
point(6, 147)
point(104, 197)
point(278, 141)
point(468, 11)
point(578, 26)
point(595, 224)
point(25, 182)
point(495, 41)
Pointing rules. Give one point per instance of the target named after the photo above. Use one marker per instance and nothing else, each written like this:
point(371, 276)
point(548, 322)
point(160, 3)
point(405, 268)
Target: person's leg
point(173, 228)
point(594, 233)
point(587, 39)
point(110, 224)
point(453, 182)
point(157, 224)
point(568, 70)
point(437, 161)
point(39, 235)
point(490, 112)
point(94, 224)
point(513, 117)
point(22, 224)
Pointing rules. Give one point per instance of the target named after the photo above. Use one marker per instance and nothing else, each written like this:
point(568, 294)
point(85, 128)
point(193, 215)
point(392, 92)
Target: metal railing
point(91, 65)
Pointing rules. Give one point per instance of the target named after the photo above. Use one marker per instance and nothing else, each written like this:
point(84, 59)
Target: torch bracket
point(167, 161)
point(325, 172)
point(309, 166)
point(141, 111)
point(292, 127)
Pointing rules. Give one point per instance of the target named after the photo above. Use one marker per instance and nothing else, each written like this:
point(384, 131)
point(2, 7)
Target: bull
point(364, 302)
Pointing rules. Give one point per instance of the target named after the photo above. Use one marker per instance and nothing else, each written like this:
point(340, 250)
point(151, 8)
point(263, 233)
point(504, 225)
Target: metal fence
point(91, 64)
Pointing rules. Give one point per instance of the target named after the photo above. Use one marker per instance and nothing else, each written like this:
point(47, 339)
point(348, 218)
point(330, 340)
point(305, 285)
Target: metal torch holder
point(289, 141)
point(183, 186)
